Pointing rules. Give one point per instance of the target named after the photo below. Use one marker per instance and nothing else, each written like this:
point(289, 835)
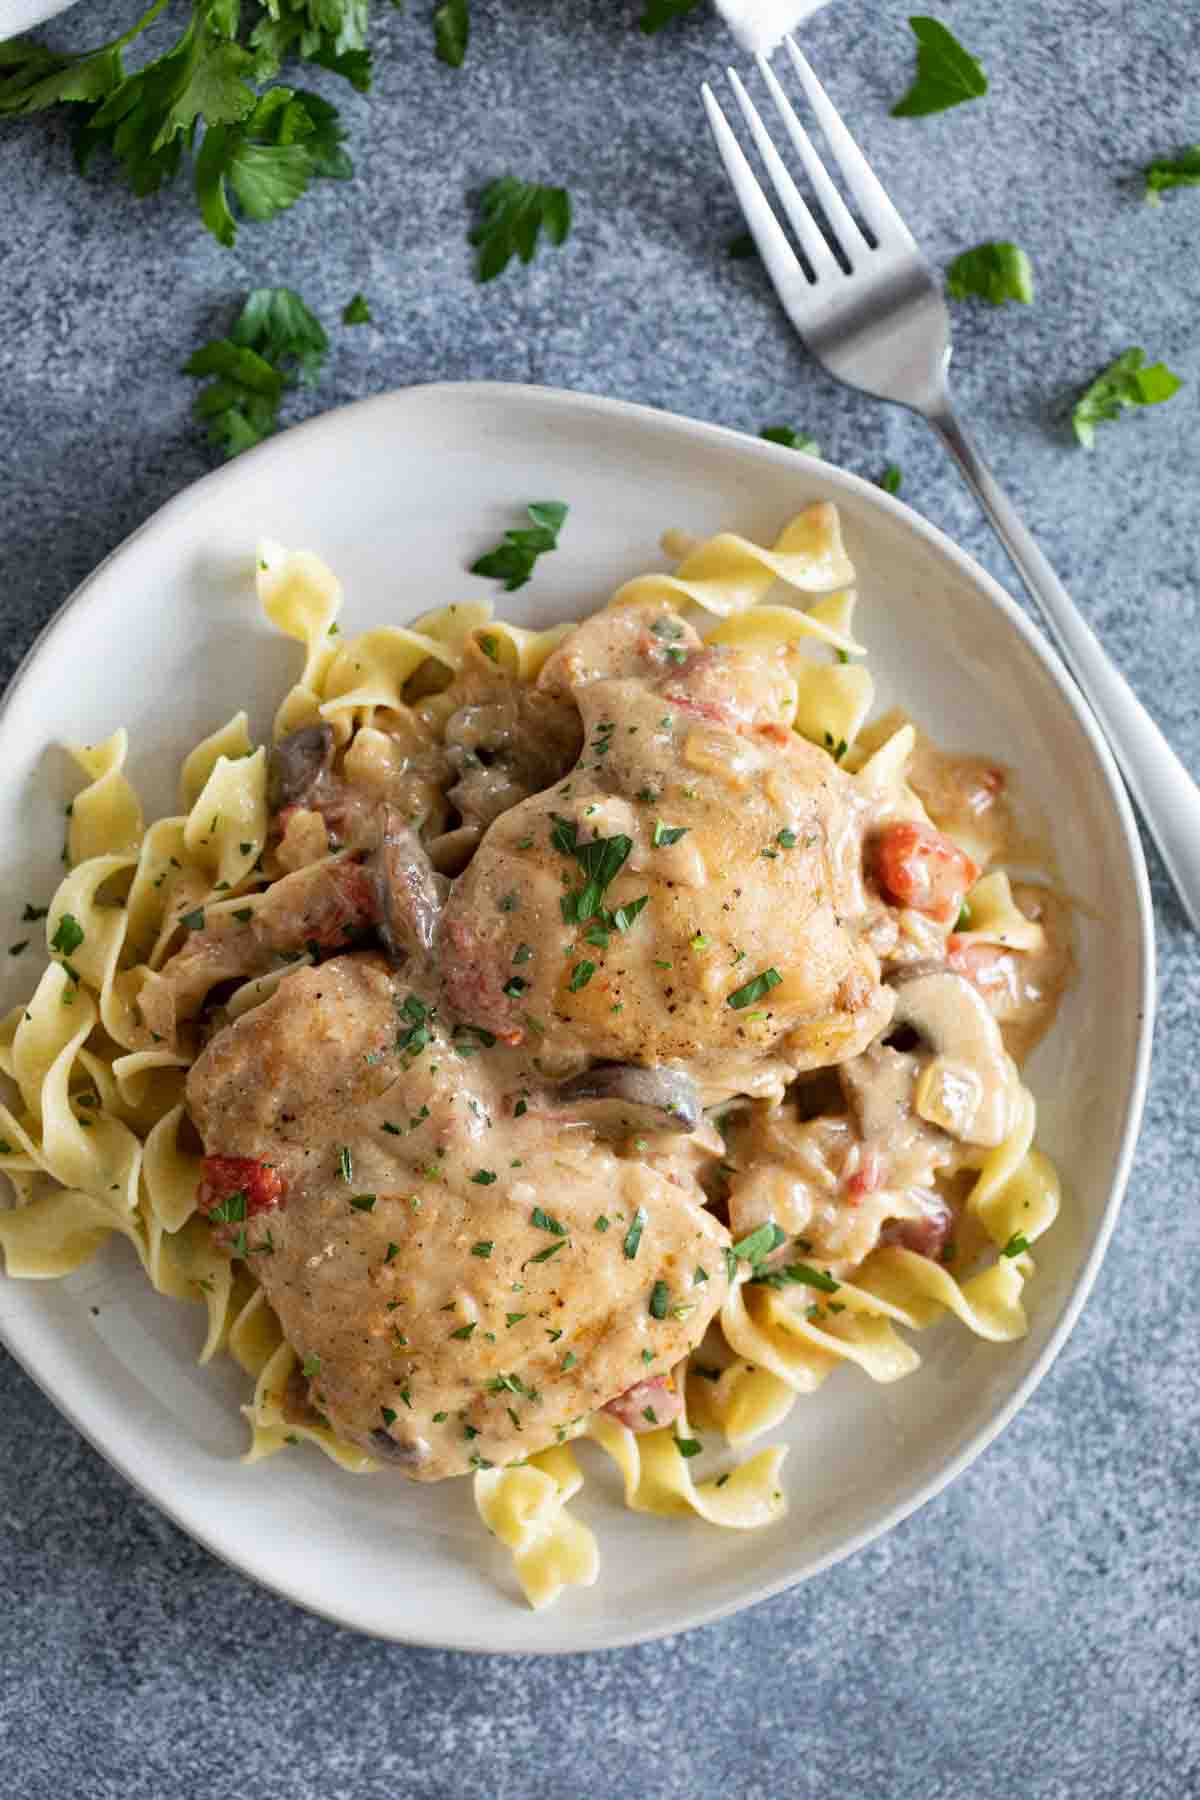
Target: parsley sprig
point(1129, 381)
point(512, 561)
point(275, 343)
point(512, 215)
point(946, 73)
point(994, 272)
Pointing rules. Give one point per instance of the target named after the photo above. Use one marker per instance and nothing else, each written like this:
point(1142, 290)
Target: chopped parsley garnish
point(650, 1415)
point(602, 1222)
point(520, 1109)
point(439, 1418)
point(311, 1367)
point(633, 1236)
point(660, 1300)
point(523, 953)
point(569, 1360)
point(994, 272)
point(389, 1415)
point(1126, 382)
point(550, 1250)
point(659, 13)
point(68, 935)
point(667, 834)
point(512, 214)
point(194, 920)
point(581, 974)
point(345, 1164)
point(544, 1222)
point(601, 861)
point(514, 987)
point(963, 921)
point(946, 73)
point(760, 1243)
point(1017, 1244)
point(363, 1203)
point(484, 1177)
point(1172, 172)
point(464, 1332)
point(392, 1130)
point(688, 1446)
point(624, 916)
point(274, 343)
point(802, 1275)
point(32, 913)
point(786, 839)
point(417, 1034)
point(754, 989)
point(231, 1210)
point(890, 482)
point(481, 1462)
point(791, 440)
point(483, 1248)
point(512, 561)
point(508, 903)
point(392, 1251)
point(699, 1275)
point(511, 1319)
point(357, 311)
point(243, 914)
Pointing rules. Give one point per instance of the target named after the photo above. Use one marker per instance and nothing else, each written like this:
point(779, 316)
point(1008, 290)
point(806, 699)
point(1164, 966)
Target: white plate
point(400, 494)
point(17, 16)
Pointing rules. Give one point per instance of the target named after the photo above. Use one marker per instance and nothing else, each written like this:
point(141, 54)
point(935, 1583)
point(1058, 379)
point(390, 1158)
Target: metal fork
point(884, 327)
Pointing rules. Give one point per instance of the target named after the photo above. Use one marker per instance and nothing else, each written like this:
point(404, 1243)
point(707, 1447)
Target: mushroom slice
point(968, 1085)
point(297, 763)
point(410, 894)
point(616, 1098)
point(388, 1449)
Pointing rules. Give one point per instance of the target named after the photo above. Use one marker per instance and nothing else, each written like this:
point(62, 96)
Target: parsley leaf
point(800, 1274)
point(633, 1236)
point(275, 342)
point(357, 311)
point(661, 12)
point(451, 31)
point(512, 214)
point(994, 272)
point(755, 989)
point(149, 117)
point(512, 561)
point(1126, 382)
point(890, 481)
point(946, 73)
point(268, 159)
point(33, 78)
point(791, 440)
point(1164, 172)
point(68, 936)
point(1017, 1244)
point(581, 974)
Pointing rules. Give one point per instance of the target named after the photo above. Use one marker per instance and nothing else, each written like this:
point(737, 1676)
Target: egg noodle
point(95, 1142)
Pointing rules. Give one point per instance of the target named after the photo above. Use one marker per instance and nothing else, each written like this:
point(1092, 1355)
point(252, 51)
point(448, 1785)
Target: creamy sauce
point(495, 1215)
point(439, 1252)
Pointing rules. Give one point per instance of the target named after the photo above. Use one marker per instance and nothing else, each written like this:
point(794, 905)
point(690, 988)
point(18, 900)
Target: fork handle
point(1166, 794)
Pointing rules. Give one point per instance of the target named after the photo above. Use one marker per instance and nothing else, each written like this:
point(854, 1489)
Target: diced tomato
point(866, 1177)
point(924, 869)
point(225, 1176)
point(345, 903)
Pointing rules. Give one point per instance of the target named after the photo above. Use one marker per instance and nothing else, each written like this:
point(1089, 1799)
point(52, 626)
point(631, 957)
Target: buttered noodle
point(872, 1232)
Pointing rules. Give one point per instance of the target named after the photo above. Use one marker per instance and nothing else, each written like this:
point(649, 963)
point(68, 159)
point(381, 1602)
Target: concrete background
point(1035, 1631)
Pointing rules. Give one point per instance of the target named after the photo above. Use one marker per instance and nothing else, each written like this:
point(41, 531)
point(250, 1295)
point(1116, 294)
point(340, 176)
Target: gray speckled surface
point(1036, 1629)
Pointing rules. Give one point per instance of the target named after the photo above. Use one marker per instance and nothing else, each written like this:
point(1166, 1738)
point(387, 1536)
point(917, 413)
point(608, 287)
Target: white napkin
point(758, 25)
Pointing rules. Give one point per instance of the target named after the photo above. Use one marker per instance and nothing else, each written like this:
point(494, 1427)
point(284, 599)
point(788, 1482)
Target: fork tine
point(842, 222)
point(820, 257)
point(779, 259)
point(873, 202)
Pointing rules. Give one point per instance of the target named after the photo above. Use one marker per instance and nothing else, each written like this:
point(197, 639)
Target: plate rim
point(517, 394)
